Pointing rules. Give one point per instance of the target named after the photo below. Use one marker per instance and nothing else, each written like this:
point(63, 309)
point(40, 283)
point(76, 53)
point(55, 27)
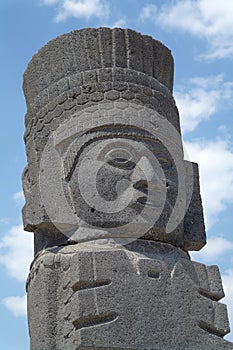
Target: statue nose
point(142, 186)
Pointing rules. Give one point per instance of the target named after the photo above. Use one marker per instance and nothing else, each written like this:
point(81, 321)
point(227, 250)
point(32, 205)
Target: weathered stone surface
point(139, 122)
point(85, 50)
point(145, 295)
point(113, 205)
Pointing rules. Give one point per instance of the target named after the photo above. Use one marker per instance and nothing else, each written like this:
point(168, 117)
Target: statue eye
point(122, 164)
point(120, 158)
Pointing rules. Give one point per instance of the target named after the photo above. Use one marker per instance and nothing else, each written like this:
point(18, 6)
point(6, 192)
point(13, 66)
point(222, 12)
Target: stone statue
point(113, 205)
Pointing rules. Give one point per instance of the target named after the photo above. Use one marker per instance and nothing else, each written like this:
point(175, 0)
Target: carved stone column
point(113, 205)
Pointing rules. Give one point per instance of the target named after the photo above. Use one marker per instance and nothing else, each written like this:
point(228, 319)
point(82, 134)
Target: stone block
point(102, 295)
point(194, 227)
point(112, 95)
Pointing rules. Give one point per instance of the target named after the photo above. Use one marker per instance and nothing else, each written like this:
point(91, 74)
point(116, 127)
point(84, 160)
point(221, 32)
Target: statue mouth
point(155, 201)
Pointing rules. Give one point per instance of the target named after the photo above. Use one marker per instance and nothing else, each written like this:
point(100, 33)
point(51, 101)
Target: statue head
point(105, 156)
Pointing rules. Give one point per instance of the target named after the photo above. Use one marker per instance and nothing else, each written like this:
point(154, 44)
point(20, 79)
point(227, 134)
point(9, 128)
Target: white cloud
point(201, 98)
point(17, 305)
point(206, 19)
point(5, 220)
point(119, 24)
point(215, 160)
point(18, 197)
point(16, 252)
point(148, 12)
point(82, 9)
point(216, 248)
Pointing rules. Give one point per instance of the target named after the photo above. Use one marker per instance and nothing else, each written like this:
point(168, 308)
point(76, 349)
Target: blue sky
point(200, 35)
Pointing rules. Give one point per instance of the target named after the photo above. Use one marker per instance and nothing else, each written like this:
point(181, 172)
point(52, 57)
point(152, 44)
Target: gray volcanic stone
point(146, 295)
point(112, 203)
point(91, 49)
point(144, 131)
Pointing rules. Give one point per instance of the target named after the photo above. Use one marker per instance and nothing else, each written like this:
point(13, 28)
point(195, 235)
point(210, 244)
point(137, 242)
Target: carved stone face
point(123, 185)
point(108, 172)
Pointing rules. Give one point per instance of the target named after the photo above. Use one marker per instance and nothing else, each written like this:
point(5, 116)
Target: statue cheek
point(112, 182)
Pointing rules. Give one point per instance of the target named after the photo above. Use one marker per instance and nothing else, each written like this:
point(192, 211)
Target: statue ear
point(26, 180)
point(194, 227)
